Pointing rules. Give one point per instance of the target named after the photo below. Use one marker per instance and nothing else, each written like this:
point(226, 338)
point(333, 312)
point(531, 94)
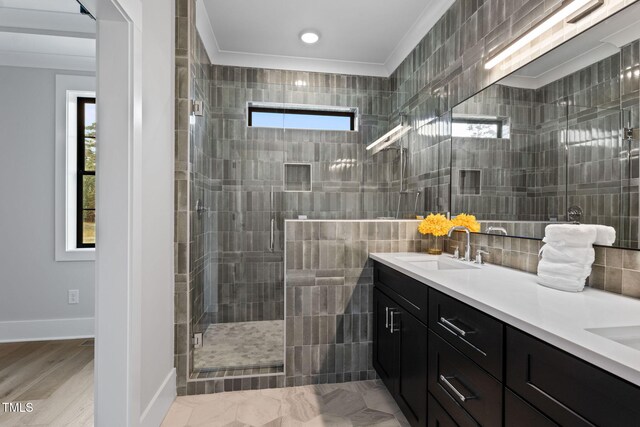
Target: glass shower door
point(243, 334)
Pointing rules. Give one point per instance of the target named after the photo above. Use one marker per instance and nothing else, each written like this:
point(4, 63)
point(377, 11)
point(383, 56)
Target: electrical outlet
point(74, 296)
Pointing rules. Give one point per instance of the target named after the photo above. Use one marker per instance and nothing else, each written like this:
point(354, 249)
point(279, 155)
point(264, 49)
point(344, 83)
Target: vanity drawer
point(410, 293)
point(568, 390)
point(461, 386)
point(475, 334)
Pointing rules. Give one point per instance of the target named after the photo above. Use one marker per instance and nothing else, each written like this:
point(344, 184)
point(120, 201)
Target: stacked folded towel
point(568, 254)
point(606, 235)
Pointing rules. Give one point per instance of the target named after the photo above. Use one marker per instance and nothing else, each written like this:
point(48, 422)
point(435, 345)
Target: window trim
point(68, 88)
point(302, 109)
point(81, 101)
point(473, 120)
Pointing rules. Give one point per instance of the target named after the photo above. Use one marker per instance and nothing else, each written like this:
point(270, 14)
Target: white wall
point(33, 286)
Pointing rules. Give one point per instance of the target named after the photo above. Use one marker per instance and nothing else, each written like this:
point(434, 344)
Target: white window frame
point(68, 89)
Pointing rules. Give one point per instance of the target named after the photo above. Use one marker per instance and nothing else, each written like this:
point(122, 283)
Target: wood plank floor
point(55, 376)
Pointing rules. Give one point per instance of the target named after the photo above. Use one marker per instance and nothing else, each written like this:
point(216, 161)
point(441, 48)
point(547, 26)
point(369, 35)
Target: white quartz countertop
point(557, 317)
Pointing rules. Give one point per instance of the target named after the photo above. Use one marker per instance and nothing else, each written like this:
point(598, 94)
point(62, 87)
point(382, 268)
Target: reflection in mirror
point(550, 140)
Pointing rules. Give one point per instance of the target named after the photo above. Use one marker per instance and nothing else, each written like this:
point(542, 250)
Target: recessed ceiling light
point(309, 37)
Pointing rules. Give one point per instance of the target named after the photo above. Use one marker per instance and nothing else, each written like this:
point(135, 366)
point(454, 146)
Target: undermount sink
point(441, 265)
point(432, 262)
point(625, 335)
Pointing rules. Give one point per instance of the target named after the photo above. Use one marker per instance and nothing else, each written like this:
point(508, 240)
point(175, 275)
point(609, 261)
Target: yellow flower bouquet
point(468, 221)
point(436, 225)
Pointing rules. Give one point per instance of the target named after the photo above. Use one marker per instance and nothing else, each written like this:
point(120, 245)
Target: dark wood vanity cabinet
point(469, 369)
point(400, 347)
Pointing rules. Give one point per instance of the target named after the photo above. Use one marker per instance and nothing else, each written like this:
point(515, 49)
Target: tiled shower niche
point(297, 177)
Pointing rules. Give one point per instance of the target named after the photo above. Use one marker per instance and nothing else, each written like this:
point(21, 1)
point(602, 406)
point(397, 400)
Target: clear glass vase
point(434, 245)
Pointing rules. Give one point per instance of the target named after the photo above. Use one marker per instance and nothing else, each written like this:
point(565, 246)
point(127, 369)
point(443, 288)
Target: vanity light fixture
point(309, 37)
point(568, 9)
point(390, 137)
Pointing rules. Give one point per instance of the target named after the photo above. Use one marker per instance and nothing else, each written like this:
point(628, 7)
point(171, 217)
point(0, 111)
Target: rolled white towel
point(605, 235)
point(565, 254)
point(575, 235)
point(568, 271)
point(568, 285)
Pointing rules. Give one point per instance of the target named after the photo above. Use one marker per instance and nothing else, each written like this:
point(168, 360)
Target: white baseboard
point(160, 403)
point(44, 330)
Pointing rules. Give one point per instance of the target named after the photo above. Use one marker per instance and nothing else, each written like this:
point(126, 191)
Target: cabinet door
point(518, 413)
point(566, 389)
point(385, 348)
point(413, 366)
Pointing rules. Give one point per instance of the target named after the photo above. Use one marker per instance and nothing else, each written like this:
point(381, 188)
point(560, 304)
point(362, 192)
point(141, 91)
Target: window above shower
point(479, 127)
point(300, 116)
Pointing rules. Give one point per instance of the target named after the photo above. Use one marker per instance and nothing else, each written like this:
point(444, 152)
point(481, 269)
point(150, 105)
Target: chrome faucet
point(498, 229)
point(467, 249)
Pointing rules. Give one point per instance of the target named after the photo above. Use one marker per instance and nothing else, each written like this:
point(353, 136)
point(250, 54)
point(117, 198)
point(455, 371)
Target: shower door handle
point(272, 229)
point(272, 235)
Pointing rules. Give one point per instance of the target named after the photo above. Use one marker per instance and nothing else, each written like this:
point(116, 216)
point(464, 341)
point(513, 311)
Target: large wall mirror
point(549, 143)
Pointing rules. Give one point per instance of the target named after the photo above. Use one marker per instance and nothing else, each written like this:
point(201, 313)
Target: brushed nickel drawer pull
point(386, 317)
point(448, 323)
point(392, 327)
point(462, 397)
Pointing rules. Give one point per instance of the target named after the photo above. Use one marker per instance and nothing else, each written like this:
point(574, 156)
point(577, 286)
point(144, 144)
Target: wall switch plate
point(74, 296)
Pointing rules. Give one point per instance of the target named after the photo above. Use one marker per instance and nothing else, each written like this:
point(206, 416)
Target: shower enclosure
point(246, 180)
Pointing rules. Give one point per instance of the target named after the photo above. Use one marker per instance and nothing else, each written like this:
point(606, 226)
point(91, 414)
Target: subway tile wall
point(329, 285)
point(246, 180)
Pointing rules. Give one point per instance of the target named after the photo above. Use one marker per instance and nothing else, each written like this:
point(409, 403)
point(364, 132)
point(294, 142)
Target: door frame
point(118, 209)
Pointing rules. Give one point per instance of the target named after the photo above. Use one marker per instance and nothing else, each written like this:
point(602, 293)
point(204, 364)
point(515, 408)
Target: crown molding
point(46, 22)
point(48, 61)
point(416, 33)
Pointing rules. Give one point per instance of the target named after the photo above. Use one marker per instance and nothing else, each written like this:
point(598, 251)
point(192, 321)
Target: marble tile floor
point(362, 403)
point(241, 345)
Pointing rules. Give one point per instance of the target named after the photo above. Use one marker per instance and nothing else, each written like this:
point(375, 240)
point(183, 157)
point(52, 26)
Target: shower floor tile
point(241, 345)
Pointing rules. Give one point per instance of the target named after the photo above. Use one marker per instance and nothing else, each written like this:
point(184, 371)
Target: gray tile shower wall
point(329, 285)
point(248, 163)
